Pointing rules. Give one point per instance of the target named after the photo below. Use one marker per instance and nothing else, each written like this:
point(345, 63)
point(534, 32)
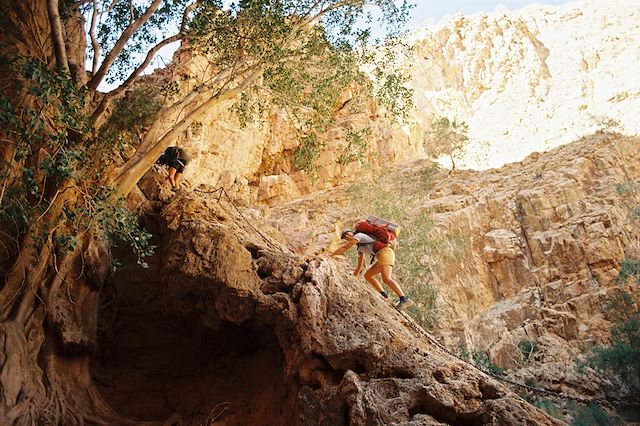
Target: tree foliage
point(305, 66)
point(48, 141)
point(622, 357)
point(300, 55)
point(447, 137)
point(591, 415)
point(482, 360)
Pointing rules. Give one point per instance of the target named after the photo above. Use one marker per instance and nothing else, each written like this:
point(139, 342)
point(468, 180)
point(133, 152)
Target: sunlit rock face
point(524, 81)
point(531, 253)
point(532, 79)
point(254, 161)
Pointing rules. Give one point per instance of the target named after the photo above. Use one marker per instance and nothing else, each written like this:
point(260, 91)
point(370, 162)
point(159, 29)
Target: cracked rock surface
point(231, 327)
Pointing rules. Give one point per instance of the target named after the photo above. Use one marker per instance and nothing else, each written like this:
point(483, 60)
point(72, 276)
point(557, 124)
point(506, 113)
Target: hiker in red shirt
point(385, 258)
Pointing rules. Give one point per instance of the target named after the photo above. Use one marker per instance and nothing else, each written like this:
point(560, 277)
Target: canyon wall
point(534, 246)
point(524, 81)
point(531, 79)
point(530, 252)
point(544, 241)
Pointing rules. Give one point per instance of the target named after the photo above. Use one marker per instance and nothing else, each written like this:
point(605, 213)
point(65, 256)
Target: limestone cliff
point(541, 244)
point(524, 81)
point(532, 79)
point(232, 328)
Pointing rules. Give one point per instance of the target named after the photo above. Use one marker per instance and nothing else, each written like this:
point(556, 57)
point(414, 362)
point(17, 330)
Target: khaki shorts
point(386, 256)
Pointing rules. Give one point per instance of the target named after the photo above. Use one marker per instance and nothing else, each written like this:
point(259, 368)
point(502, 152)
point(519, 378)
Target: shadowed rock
point(330, 350)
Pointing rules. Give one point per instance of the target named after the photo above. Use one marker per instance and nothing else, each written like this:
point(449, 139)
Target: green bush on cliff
point(549, 407)
point(355, 148)
point(482, 360)
point(447, 137)
point(591, 415)
point(622, 358)
point(527, 349)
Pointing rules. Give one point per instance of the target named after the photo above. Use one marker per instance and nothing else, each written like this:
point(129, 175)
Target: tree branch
point(120, 44)
point(110, 8)
point(185, 14)
point(97, 115)
point(79, 3)
point(102, 107)
point(214, 86)
point(94, 41)
point(154, 50)
point(310, 17)
point(57, 35)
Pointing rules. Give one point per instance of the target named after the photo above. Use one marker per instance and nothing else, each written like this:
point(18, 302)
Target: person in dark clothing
point(177, 159)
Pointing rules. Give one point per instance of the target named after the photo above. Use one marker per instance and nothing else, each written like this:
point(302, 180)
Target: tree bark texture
point(48, 336)
point(48, 295)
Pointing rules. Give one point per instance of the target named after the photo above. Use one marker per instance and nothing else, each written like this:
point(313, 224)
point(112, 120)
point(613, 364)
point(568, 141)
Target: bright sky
point(432, 10)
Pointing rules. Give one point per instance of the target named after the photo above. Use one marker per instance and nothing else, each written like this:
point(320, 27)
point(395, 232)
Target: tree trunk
point(49, 297)
point(48, 336)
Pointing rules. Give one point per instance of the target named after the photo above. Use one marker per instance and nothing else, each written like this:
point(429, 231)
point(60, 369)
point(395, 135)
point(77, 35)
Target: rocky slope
point(542, 243)
point(231, 327)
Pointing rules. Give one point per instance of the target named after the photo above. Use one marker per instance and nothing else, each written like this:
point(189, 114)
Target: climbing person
point(177, 159)
point(384, 256)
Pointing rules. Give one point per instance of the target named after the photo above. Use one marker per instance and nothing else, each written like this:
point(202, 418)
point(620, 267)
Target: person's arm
point(356, 271)
point(342, 249)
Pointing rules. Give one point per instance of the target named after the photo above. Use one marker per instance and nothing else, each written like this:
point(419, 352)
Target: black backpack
point(168, 156)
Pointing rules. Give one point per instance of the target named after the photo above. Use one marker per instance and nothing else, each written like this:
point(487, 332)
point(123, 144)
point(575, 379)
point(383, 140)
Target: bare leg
point(172, 174)
point(177, 178)
point(386, 277)
point(369, 276)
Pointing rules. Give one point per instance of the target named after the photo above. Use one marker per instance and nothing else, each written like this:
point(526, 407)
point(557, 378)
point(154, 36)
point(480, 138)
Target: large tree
point(63, 170)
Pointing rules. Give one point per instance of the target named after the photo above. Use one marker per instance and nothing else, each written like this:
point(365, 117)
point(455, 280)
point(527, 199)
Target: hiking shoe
point(404, 303)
